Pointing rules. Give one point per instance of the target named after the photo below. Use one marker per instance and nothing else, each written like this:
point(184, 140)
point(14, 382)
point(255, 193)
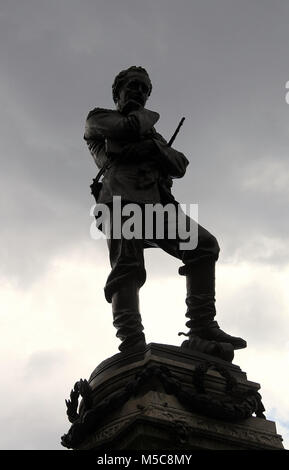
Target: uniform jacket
point(149, 180)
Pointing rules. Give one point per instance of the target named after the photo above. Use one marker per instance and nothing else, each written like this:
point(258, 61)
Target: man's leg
point(122, 290)
point(200, 300)
point(199, 269)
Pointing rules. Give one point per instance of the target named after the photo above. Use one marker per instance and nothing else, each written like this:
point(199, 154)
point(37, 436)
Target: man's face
point(134, 89)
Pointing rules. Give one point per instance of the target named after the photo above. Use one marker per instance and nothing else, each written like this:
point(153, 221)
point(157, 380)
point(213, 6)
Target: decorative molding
point(186, 424)
point(235, 405)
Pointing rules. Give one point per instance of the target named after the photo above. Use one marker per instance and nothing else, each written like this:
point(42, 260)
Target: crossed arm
point(128, 133)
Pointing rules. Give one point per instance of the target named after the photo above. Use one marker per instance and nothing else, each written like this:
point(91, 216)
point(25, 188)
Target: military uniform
point(108, 133)
point(146, 178)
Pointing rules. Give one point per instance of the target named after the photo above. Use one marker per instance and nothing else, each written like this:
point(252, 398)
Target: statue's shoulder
point(99, 111)
point(159, 137)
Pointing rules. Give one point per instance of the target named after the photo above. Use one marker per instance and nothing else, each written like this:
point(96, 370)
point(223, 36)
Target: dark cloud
point(221, 64)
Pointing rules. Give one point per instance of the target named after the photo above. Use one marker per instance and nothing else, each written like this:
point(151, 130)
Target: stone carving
point(234, 405)
point(81, 388)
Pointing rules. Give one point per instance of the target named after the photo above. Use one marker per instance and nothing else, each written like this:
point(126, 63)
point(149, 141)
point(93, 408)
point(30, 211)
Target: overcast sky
point(221, 63)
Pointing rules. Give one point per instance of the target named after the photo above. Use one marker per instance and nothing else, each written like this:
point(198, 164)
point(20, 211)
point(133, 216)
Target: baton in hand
point(176, 132)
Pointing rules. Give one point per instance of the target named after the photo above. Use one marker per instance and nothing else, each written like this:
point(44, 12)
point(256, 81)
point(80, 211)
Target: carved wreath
point(236, 404)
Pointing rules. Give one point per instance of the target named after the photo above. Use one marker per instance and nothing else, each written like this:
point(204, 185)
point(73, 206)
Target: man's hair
point(123, 75)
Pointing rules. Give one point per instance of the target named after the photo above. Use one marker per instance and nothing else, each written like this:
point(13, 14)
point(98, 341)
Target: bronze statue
point(139, 166)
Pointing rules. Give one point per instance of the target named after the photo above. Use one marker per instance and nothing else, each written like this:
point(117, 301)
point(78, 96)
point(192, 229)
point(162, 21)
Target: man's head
point(132, 85)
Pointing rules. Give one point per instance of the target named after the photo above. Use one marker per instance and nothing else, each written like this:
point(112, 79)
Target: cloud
point(44, 362)
point(267, 176)
point(253, 296)
point(46, 167)
point(54, 332)
point(59, 329)
point(222, 66)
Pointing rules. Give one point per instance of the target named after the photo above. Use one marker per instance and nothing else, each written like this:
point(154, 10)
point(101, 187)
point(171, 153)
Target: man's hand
point(129, 106)
point(140, 151)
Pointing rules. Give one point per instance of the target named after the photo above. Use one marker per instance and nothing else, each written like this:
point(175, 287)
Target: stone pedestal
point(167, 398)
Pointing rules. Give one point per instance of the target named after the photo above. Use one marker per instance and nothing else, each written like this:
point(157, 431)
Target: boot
point(201, 306)
point(224, 351)
point(127, 319)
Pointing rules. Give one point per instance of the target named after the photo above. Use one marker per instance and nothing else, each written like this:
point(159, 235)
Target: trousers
point(126, 254)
